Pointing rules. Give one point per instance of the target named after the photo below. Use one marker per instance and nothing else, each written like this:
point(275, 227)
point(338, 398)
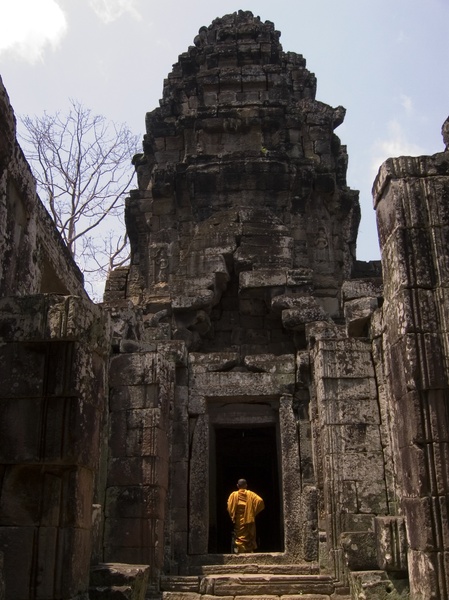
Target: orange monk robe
point(243, 506)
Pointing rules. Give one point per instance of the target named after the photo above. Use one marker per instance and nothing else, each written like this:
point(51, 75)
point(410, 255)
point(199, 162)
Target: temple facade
point(244, 339)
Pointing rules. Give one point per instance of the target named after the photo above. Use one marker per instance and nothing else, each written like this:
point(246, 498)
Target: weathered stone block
point(135, 470)
point(19, 438)
point(182, 596)
point(68, 434)
point(419, 360)
point(378, 585)
point(427, 578)
point(153, 442)
point(310, 527)
point(180, 481)
point(131, 369)
point(133, 532)
point(126, 397)
point(358, 314)
point(421, 513)
point(52, 317)
point(356, 437)
point(362, 288)
point(269, 363)
point(391, 540)
point(217, 361)
point(352, 391)
point(266, 586)
point(348, 358)
point(345, 493)
point(237, 384)
point(141, 501)
point(360, 550)
point(18, 560)
point(262, 278)
point(372, 496)
point(308, 312)
point(363, 466)
point(410, 311)
point(73, 561)
point(357, 522)
point(118, 581)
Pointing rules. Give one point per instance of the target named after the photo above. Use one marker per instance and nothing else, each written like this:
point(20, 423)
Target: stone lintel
point(50, 317)
point(242, 384)
point(262, 278)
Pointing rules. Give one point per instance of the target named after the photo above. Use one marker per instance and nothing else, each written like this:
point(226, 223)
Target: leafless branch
point(82, 165)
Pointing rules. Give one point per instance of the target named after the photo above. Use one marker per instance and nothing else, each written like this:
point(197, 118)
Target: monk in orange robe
point(243, 507)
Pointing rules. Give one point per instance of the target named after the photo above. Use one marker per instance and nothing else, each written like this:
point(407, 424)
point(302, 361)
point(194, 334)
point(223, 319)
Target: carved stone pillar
point(199, 487)
point(291, 478)
point(347, 416)
point(411, 203)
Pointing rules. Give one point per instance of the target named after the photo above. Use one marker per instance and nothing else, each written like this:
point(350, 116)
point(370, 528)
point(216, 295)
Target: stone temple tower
point(243, 232)
point(244, 340)
point(242, 210)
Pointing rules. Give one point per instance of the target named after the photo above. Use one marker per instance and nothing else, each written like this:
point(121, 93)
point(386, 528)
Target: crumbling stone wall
point(53, 351)
point(33, 258)
point(53, 371)
point(242, 192)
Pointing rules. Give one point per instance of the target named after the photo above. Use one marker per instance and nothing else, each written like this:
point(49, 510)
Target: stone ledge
point(118, 580)
point(409, 166)
point(251, 585)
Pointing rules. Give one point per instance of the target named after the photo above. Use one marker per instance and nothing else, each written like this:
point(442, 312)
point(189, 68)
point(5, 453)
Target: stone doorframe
point(290, 478)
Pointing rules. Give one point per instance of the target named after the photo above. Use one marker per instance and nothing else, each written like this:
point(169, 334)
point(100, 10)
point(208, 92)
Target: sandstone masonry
point(243, 340)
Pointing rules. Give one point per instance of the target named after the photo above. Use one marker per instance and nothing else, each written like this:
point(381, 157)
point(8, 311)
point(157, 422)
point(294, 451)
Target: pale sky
point(385, 61)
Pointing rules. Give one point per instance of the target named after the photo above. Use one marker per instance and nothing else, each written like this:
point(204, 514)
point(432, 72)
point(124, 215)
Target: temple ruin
point(243, 340)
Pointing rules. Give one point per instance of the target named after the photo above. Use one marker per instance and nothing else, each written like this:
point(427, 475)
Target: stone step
point(254, 568)
point(300, 596)
point(268, 585)
point(119, 581)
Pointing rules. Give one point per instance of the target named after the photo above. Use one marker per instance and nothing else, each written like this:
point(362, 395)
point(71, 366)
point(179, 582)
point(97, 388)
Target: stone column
point(199, 487)
point(52, 369)
point(291, 479)
point(411, 199)
point(353, 473)
point(142, 387)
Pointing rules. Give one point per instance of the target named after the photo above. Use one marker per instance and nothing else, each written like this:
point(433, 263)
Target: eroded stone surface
point(33, 257)
point(244, 339)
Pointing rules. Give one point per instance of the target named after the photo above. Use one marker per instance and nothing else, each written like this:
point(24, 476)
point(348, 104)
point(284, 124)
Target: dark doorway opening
point(249, 453)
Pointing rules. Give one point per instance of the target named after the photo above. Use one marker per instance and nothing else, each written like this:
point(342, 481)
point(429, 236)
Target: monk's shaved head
point(241, 483)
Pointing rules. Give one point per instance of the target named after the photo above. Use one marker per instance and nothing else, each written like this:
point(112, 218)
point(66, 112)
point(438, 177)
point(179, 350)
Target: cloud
point(111, 10)
point(407, 103)
point(402, 37)
point(396, 144)
point(28, 27)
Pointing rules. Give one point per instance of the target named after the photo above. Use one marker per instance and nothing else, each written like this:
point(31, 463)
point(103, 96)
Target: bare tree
point(82, 164)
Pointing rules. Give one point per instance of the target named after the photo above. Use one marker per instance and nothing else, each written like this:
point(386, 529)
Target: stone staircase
point(263, 582)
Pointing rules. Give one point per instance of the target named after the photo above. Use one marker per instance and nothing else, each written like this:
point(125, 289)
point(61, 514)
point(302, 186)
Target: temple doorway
point(249, 452)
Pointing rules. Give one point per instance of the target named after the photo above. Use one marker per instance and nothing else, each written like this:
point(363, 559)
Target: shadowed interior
point(249, 453)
